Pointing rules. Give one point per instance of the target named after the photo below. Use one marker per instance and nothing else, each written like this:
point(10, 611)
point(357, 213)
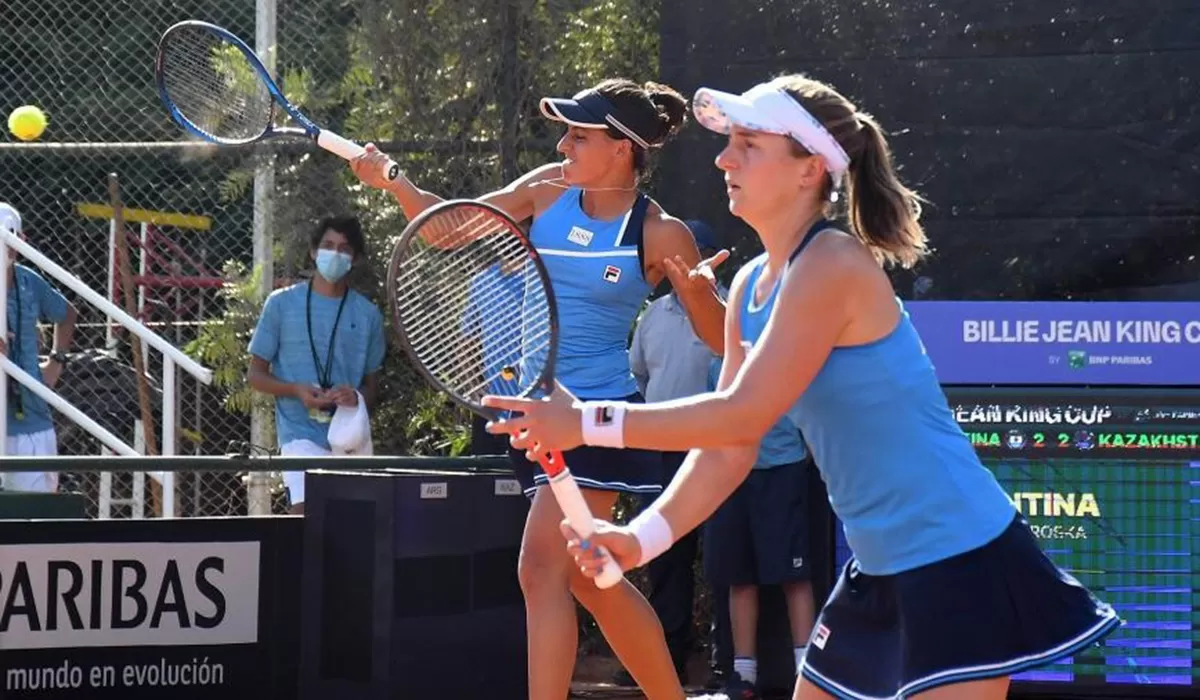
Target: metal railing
point(249, 463)
point(172, 357)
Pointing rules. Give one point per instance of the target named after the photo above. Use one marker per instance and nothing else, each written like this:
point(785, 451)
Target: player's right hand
point(620, 544)
point(371, 167)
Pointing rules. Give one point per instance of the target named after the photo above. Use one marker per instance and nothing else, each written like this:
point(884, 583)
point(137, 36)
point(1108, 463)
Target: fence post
point(258, 494)
point(168, 430)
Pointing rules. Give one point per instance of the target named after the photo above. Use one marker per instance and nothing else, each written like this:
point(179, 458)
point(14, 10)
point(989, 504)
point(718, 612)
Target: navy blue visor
point(591, 110)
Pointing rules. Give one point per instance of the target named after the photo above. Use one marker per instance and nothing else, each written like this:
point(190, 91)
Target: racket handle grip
point(570, 499)
point(350, 150)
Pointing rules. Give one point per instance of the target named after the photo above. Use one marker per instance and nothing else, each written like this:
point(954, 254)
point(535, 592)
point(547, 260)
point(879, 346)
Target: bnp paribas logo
point(1077, 359)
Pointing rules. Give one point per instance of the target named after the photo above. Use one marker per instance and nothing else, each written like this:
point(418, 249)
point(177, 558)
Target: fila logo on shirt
point(612, 273)
point(580, 236)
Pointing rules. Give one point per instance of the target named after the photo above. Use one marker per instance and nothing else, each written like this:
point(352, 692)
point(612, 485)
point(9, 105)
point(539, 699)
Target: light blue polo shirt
point(282, 339)
point(39, 302)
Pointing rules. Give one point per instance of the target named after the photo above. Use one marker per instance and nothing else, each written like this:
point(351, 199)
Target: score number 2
point(1039, 440)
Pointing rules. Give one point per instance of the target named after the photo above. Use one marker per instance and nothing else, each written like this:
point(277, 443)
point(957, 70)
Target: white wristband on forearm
point(604, 423)
point(653, 534)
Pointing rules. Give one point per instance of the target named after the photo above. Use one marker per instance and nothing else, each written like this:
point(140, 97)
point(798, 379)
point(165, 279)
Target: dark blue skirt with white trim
point(599, 469)
point(994, 611)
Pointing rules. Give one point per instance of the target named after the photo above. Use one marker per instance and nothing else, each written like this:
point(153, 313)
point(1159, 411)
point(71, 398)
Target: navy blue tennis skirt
point(599, 468)
point(991, 612)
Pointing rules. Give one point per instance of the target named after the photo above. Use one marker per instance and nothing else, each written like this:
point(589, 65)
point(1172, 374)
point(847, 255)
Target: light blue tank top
point(596, 273)
point(901, 475)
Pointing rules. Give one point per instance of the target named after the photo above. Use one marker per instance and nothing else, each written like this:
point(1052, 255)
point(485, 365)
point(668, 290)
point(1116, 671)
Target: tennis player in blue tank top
point(605, 246)
point(948, 593)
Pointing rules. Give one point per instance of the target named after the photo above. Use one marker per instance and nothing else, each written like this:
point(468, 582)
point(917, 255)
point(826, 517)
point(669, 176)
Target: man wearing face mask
point(318, 345)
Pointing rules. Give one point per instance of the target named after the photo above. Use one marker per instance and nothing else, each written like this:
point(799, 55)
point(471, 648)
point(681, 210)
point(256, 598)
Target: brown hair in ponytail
point(672, 109)
point(884, 213)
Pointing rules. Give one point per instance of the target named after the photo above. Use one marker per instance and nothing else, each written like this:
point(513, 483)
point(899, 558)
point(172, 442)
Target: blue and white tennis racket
point(213, 85)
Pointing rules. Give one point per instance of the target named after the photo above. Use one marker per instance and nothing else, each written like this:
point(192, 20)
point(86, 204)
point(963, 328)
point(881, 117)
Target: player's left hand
point(619, 542)
point(545, 424)
point(698, 280)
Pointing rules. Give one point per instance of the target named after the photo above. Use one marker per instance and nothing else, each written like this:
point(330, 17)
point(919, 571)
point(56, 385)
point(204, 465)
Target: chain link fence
point(450, 89)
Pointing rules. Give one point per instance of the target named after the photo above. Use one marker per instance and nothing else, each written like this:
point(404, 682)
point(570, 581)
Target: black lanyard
point(323, 376)
point(14, 348)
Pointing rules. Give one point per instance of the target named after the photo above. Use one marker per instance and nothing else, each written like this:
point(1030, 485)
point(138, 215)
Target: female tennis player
point(948, 592)
point(606, 246)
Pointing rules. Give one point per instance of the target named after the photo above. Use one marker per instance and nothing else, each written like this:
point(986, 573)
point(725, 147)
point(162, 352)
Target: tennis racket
point(475, 312)
point(214, 86)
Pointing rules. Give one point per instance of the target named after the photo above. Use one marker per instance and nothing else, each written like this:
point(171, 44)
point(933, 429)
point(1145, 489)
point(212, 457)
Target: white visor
point(768, 107)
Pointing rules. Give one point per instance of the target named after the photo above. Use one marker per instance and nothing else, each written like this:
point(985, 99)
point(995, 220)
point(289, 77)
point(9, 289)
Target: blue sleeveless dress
point(595, 269)
point(947, 583)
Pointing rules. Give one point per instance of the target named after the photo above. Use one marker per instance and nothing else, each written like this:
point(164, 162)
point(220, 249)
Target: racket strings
point(492, 363)
point(439, 351)
point(486, 297)
point(472, 306)
point(435, 346)
point(214, 85)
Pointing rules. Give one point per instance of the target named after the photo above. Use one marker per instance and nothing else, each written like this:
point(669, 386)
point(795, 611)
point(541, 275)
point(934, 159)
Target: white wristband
point(604, 423)
point(653, 534)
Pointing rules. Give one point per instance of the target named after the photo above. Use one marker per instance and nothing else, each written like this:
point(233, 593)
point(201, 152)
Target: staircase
point(172, 357)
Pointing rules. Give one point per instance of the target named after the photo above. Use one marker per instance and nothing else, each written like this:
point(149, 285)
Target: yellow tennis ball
point(27, 122)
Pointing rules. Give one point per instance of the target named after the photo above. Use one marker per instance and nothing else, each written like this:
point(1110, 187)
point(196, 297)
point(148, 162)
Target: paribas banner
point(1126, 343)
point(185, 609)
point(114, 594)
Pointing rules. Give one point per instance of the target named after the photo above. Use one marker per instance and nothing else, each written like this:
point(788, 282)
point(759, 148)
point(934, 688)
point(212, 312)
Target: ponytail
point(672, 110)
point(884, 213)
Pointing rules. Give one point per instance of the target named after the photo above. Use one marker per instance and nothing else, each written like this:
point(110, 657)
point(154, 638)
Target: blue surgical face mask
point(333, 265)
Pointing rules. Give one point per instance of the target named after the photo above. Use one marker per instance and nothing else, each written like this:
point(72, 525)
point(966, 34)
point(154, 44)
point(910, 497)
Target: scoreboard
point(1136, 423)
point(1109, 480)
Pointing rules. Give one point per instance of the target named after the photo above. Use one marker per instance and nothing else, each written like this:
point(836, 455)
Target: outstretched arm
point(516, 199)
point(810, 313)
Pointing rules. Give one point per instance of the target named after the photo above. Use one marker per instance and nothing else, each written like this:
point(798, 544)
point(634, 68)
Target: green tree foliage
point(222, 342)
